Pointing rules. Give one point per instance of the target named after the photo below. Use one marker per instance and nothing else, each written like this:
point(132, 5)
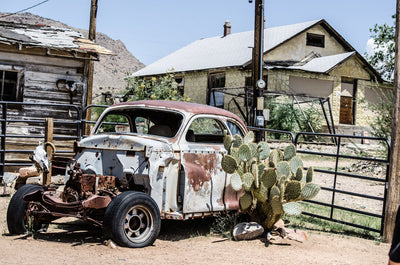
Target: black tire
point(132, 219)
point(16, 219)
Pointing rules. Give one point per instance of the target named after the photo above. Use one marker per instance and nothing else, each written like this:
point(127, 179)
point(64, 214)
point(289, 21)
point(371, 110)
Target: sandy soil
point(73, 242)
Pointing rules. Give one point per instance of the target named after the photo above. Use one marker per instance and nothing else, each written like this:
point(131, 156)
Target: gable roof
point(216, 52)
point(47, 37)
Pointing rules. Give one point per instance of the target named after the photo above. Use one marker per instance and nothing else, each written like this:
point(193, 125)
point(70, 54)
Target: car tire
point(16, 212)
point(132, 219)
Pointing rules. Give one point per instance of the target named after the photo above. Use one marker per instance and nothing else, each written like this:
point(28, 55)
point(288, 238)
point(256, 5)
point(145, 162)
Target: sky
point(153, 29)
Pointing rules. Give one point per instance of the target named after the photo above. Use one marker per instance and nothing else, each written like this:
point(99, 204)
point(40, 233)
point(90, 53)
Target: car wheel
point(16, 212)
point(132, 219)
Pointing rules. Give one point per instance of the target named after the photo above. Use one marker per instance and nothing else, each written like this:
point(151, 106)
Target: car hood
point(125, 142)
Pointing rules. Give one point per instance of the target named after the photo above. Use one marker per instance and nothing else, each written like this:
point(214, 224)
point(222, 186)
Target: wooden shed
point(43, 73)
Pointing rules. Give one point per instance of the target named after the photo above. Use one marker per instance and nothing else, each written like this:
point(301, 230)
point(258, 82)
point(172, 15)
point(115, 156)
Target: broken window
point(8, 85)
point(316, 40)
point(216, 81)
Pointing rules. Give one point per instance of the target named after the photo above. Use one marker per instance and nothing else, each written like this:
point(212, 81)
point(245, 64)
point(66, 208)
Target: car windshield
point(141, 121)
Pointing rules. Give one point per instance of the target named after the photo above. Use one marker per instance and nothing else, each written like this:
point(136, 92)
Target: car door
point(201, 153)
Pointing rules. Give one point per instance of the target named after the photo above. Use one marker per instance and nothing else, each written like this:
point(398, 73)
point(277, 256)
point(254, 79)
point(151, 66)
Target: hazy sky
point(153, 29)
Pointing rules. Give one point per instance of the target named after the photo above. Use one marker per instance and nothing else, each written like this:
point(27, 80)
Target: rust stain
point(232, 198)
point(199, 168)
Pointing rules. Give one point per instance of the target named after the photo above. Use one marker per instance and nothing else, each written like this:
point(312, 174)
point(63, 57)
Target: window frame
point(315, 40)
point(18, 82)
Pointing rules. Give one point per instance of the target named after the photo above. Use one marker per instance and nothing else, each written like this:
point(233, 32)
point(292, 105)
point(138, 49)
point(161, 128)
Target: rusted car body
point(170, 152)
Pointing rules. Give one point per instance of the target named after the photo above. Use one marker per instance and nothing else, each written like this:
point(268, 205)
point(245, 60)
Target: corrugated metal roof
point(322, 64)
point(231, 50)
point(47, 37)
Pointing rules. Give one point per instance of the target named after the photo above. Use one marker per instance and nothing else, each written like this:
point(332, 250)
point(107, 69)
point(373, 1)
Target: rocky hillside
point(110, 71)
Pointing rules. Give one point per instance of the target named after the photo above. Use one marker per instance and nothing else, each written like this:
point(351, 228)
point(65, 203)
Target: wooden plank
point(25, 59)
point(48, 141)
point(41, 76)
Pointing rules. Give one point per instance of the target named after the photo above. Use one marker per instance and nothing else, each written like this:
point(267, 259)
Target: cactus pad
point(227, 142)
point(236, 182)
point(247, 180)
point(292, 208)
point(248, 138)
point(292, 191)
point(244, 152)
point(295, 162)
point(254, 171)
point(263, 149)
point(261, 193)
point(310, 174)
point(309, 191)
point(245, 201)
point(274, 191)
point(254, 151)
point(274, 158)
point(299, 174)
point(276, 205)
point(229, 164)
point(269, 178)
point(237, 140)
point(289, 153)
point(283, 169)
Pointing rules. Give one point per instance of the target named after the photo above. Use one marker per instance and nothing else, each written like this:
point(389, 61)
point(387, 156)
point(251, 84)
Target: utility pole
point(90, 63)
point(393, 198)
point(257, 117)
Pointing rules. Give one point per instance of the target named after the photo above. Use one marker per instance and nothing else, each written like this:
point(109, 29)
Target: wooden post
point(48, 138)
point(393, 198)
point(90, 72)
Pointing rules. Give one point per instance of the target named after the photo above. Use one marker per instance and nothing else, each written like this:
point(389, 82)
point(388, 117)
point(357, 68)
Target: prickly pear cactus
point(273, 180)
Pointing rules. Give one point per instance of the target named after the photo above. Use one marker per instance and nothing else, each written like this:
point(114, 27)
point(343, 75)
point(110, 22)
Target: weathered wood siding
point(38, 75)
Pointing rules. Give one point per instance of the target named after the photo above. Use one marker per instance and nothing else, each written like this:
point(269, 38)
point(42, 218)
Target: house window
point(215, 97)
point(316, 40)
point(8, 85)
point(180, 82)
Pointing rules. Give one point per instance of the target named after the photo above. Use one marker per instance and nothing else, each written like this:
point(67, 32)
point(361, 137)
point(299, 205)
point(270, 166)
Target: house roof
point(47, 37)
point(322, 64)
point(232, 50)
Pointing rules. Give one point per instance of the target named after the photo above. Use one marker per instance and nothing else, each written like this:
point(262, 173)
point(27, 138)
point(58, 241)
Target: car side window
point(234, 129)
point(205, 130)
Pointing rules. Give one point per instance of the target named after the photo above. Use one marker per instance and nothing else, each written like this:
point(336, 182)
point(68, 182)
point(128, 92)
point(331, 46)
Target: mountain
point(110, 71)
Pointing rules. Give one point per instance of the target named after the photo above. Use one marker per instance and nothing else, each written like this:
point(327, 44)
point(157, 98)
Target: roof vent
point(227, 28)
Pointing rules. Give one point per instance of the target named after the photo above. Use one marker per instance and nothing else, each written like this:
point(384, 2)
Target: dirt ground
point(189, 242)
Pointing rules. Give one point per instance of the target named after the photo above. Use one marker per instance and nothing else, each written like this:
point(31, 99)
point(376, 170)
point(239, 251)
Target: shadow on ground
point(78, 232)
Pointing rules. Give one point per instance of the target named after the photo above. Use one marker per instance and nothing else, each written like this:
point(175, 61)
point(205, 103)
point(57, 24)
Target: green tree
point(383, 57)
point(161, 87)
point(383, 61)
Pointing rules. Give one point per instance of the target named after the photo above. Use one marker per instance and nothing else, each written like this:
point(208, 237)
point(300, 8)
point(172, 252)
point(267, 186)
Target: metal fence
point(344, 193)
point(19, 116)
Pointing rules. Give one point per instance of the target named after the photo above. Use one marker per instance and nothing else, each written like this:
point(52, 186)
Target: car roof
point(188, 107)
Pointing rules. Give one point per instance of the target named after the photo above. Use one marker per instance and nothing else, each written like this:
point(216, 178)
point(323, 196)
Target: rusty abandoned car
point(143, 161)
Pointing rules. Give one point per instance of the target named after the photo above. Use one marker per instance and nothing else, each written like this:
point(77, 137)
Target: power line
point(38, 4)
